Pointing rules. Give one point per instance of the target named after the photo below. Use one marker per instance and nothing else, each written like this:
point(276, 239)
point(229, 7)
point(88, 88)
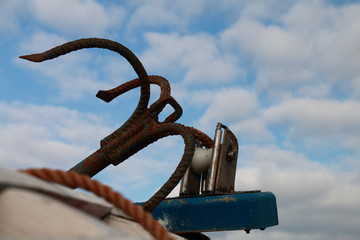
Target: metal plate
point(226, 171)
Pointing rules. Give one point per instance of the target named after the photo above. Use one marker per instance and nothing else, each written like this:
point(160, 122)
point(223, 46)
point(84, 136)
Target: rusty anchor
point(143, 127)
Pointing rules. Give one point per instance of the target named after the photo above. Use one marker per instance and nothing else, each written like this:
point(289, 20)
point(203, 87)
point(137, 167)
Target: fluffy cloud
point(39, 136)
point(308, 194)
point(328, 122)
point(327, 126)
point(57, 137)
point(198, 55)
point(140, 176)
point(228, 106)
point(172, 14)
point(8, 19)
point(77, 17)
point(252, 130)
point(307, 42)
point(144, 16)
point(73, 73)
point(297, 98)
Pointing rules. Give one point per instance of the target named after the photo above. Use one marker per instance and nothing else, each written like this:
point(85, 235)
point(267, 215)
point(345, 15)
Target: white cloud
point(312, 200)
point(252, 130)
point(8, 18)
point(328, 122)
point(144, 16)
point(316, 90)
point(228, 106)
point(187, 8)
point(41, 41)
point(73, 73)
point(279, 58)
point(302, 53)
point(162, 13)
point(85, 17)
point(39, 136)
point(34, 136)
point(271, 10)
point(333, 35)
point(140, 176)
point(198, 55)
point(308, 43)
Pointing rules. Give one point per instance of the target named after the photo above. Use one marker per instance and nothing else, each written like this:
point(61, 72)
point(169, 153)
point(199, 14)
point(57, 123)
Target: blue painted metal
point(204, 213)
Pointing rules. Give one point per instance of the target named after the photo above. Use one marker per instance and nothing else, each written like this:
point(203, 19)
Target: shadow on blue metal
point(206, 213)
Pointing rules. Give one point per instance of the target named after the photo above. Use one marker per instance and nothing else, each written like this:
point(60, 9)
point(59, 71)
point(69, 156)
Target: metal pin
point(211, 176)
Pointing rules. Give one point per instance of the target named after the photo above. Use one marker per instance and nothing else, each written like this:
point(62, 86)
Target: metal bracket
point(220, 177)
point(207, 200)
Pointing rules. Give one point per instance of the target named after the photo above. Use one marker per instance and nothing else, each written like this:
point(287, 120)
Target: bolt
point(231, 155)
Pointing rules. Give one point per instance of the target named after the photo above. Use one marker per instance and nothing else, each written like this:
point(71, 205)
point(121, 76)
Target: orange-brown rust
point(143, 127)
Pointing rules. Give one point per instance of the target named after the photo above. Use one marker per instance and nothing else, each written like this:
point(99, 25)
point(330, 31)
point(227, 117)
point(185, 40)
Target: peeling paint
point(245, 211)
point(165, 221)
point(182, 201)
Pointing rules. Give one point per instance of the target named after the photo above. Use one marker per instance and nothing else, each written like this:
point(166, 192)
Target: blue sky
point(283, 75)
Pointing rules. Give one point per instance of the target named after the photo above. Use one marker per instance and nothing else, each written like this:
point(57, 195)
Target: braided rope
point(75, 180)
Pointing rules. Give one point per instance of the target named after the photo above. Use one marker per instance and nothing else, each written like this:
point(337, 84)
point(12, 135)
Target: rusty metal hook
point(164, 98)
point(110, 45)
point(143, 127)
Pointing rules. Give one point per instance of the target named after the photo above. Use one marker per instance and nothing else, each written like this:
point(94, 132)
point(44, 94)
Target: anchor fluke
point(37, 57)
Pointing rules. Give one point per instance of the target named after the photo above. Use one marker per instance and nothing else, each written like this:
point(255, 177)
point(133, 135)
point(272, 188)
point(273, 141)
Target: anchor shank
point(92, 164)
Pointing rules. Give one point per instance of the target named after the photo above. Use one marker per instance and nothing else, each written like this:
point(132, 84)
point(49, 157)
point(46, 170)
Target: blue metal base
point(204, 213)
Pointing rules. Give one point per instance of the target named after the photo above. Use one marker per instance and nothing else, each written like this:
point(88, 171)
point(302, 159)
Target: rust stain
point(223, 199)
point(181, 201)
point(143, 127)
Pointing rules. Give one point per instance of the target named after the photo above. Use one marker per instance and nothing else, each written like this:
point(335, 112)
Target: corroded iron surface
point(143, 126)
